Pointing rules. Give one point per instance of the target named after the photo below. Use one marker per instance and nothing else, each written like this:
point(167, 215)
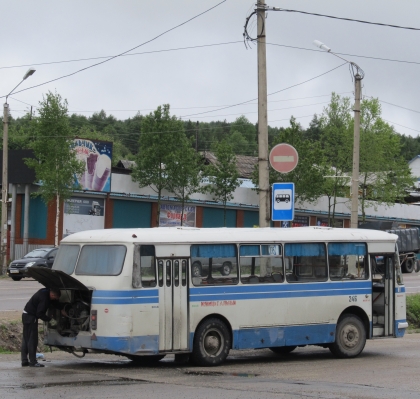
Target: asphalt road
point(387, 369)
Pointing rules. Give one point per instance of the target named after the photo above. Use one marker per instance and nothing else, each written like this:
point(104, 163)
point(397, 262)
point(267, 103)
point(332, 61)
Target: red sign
point(283, 158)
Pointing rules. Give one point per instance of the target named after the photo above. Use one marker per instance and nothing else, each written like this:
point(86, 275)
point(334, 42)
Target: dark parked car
point(38, 257)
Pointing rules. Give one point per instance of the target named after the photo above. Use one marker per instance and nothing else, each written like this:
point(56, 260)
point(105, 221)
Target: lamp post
point(358, 76)
point(5, 182)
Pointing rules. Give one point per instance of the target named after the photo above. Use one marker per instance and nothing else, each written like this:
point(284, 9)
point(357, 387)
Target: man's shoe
point(36, 365)
point(25, 364)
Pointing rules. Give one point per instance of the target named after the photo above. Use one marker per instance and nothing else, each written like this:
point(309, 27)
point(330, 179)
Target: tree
point(243, 136)
point(384, 174)
point(183, 172)
point(55, 163)
point(223, 176)
point(160, 136)
point(336, 139)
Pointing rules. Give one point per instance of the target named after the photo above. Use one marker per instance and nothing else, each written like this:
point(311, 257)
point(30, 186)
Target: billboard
point(97, 156)
point(170, 215)
point(82, 214)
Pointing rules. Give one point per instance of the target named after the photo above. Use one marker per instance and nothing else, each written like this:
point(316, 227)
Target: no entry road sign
point(283, 158)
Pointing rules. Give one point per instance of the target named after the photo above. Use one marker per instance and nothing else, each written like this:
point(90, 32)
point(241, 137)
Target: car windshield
point(37, 253)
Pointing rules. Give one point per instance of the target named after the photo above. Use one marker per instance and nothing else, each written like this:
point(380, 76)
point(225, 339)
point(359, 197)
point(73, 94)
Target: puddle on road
point(220, 373)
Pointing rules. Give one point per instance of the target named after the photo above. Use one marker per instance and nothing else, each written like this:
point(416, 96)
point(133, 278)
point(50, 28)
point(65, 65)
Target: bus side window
point(348, 260)
point(261, 264)
point(214, 264)
point(310, 262)
point(145, 255)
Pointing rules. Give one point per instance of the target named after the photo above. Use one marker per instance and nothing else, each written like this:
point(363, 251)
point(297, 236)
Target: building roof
point(245, 164)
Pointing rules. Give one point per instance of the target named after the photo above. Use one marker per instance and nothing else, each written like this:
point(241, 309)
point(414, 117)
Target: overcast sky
point(37, 32)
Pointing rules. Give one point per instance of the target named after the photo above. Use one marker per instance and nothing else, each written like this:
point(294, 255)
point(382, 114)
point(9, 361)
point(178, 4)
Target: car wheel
point(196, 269)
point(212, 343)
point(226, 268)
point(14, 278)
point(350, 337)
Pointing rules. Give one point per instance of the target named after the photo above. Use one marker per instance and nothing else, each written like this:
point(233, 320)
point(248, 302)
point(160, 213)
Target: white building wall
point(248, 196)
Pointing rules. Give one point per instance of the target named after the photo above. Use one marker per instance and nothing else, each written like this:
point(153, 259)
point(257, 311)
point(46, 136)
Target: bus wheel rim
point(350, 336)
point(213, 343)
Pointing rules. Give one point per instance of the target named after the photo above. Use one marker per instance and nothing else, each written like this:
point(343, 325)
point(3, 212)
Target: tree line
point(166, 150)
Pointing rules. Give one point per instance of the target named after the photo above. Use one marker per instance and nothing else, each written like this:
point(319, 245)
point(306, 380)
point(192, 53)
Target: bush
point(413, 311)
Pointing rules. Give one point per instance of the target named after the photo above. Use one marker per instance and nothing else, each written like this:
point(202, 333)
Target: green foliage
point(413, 311)
point(160, 135)
point(243, 137)
point(223, 176)
point(183, 167)
point(55, 164)
point(384, 174)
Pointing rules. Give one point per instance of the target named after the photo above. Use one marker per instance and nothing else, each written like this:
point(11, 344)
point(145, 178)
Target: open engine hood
point(51, 278)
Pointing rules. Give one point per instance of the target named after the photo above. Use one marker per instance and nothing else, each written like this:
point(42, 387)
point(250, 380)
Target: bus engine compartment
point(76, 305)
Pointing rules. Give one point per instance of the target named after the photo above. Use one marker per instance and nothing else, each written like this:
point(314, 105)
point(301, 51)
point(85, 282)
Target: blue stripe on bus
point(128, 297)
point(124, 301)
point(399, 289)
point(125, 293)
point(139, 345)
point(279, 294)
point(321, 286)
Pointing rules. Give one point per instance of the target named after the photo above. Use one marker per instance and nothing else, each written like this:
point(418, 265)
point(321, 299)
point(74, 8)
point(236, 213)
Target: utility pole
point(5, 181)
point(356, 145)
point(263, 166)
point(4, 187)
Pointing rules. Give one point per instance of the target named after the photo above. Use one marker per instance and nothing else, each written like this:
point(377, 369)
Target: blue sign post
point(283, 202)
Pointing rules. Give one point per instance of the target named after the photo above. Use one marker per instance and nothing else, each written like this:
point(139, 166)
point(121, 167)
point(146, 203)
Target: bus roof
point(180, 235)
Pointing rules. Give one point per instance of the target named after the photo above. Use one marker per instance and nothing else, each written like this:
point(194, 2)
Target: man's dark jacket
point(38, 305)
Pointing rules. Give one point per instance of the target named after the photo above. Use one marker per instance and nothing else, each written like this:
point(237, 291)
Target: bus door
point(173, 301)
point(383, 295)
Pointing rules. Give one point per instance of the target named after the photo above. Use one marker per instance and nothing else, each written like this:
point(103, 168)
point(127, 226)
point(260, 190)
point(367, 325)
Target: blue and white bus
point(145, 293)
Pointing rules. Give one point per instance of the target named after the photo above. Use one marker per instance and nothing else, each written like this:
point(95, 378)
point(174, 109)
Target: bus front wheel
point(211, 343)
point(350, 337)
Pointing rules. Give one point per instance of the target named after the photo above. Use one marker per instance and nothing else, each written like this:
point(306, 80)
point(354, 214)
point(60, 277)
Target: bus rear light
point(93, 319)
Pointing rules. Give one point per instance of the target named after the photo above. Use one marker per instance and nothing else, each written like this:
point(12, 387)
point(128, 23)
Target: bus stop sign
point(283, 201)
point(283, 158)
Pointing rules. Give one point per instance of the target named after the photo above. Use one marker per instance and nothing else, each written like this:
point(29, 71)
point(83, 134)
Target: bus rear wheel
point(350, 337)
point(212, 343)
point(283, 350)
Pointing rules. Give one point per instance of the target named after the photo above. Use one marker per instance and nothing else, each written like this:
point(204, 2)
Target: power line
point(270, 94)
point(346, 54)
point(342, 18)
point(401, 125)
point(395, 105)
point(124, 52)
point(123, 55)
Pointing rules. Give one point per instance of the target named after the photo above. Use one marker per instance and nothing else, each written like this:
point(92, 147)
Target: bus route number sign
point(283, 201)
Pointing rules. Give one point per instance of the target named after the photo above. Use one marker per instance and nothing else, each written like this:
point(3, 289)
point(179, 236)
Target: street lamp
point(358, 76)
point(5, 182)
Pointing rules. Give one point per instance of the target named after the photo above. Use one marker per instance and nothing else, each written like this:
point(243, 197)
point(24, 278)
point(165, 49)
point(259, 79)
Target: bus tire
point(350, 337)
point(409, 265)
point(16, 278)
point(226, 268)
point(145, 360)
point(212, 343)
point(283, 350)
point(196, 269)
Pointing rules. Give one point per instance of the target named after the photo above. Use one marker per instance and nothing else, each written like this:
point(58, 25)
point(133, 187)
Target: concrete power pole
point(263, 166)
point(4, 188)
point(356, 146)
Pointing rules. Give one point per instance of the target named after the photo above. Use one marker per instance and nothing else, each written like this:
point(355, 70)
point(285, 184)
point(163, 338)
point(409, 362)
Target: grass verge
point(413, 312)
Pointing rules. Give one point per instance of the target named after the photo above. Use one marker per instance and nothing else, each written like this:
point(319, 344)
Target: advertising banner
point(170, 215)
point(97, 156)
point(82, 214)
